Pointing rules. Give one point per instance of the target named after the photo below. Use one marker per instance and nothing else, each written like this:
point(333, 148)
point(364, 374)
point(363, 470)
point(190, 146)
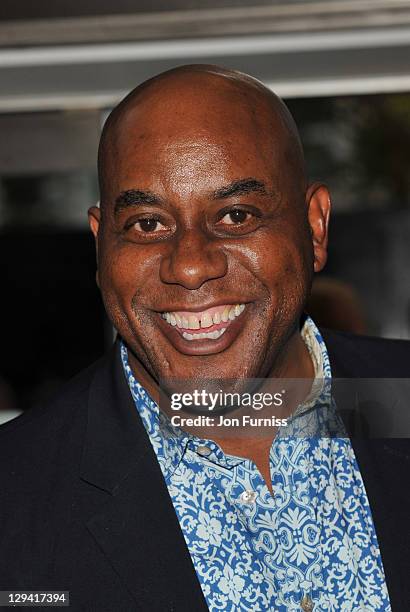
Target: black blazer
point(84, 507)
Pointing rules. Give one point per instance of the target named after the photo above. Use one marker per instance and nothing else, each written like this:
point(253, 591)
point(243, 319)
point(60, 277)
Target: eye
point(149, 225)
point(235, 216)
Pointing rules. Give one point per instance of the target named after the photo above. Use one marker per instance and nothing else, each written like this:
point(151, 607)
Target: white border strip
point(342, 87)
point(203, 47)
point(285, 89)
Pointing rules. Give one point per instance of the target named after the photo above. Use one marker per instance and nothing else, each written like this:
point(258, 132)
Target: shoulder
point(367, 356)
point(37, 432)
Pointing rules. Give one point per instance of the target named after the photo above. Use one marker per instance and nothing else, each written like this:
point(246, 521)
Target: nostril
point(192, 270)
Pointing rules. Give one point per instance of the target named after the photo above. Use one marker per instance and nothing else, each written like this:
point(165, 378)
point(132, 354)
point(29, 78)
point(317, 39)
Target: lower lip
point(205, 346)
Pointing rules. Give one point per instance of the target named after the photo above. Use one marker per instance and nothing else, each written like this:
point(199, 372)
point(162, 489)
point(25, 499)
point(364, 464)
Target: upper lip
point(186, 308)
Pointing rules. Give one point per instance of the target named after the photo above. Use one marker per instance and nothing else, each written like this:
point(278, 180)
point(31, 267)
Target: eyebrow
point(240, 187)
point(134, 197)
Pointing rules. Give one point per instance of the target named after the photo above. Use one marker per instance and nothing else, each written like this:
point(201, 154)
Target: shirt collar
point(170, 443)
point(317, 349)
point(321, 386)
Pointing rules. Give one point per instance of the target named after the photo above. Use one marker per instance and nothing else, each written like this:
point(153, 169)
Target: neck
point(294, 361)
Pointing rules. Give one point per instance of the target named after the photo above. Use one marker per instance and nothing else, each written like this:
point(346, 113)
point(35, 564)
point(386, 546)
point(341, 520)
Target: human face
point(204, 247)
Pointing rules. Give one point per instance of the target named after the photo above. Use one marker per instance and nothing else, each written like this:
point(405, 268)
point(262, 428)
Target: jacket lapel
point(137, 529)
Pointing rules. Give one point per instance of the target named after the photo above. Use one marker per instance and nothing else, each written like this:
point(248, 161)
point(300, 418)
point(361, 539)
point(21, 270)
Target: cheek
point(293, 280)
point(129, 282)
point(124, 268)
point(281, 267)
point(113, 273)
point(276, 258)
point(117, 281)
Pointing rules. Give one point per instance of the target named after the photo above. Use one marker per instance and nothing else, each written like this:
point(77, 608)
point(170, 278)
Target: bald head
point(194, 102)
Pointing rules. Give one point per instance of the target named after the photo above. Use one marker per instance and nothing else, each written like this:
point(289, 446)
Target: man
point(208, 235)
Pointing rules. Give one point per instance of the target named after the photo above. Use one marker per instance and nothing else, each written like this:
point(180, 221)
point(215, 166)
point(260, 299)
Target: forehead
point(194, 140)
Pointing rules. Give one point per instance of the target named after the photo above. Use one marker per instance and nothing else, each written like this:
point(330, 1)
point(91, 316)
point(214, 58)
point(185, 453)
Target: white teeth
point(193, 323)
point(225, 315)
point(206, 320)
point(204, 335)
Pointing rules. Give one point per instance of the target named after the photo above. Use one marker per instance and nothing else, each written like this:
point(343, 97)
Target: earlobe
point(318, 203)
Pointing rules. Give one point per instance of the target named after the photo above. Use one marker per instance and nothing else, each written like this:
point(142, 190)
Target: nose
point(193, 260)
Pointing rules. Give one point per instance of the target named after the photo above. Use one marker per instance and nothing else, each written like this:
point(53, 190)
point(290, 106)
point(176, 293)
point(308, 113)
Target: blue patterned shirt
point(312, 546)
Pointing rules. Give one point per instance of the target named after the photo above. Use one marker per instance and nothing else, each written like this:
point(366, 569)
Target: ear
point(94, 217)
point(318, 205)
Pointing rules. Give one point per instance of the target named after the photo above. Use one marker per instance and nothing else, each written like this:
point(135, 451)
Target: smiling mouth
point(209, 324)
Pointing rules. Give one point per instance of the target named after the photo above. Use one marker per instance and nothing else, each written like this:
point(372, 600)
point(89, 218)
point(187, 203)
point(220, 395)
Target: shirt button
point(204, 451)
point(248, 497)
point(306, 604)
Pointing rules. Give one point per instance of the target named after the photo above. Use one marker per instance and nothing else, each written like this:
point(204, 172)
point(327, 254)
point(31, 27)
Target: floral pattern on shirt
point(314, 537)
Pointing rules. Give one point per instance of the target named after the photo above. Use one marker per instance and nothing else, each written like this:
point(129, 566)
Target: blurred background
point(343, 68)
